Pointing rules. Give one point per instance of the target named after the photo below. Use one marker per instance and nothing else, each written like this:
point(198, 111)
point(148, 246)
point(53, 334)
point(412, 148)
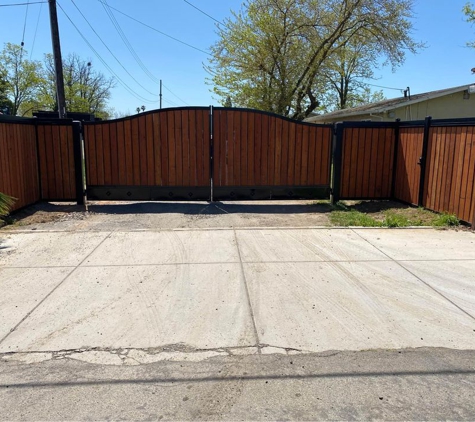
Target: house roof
point(386, 105)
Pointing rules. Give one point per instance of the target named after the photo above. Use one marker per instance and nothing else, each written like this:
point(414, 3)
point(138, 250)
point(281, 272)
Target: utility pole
point(161, 95)
point(58, 61)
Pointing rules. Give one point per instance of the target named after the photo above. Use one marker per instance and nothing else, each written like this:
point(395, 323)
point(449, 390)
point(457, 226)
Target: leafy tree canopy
point(283, 55)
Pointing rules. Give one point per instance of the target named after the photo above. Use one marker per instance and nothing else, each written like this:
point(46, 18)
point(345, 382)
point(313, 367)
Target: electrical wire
point(384, 87)
point(203, 12)
point(156, 30)
point(23, 4)
point(172, 103)
point(176, 96)
point(24, 26)
point(36, 31)
point(126, 41)
point(110, 51)
point(130, 90)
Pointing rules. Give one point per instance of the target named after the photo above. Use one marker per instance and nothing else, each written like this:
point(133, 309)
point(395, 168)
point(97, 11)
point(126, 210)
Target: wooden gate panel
point(258, 155)
point(450, 172)
point(56, 161)
point(408, 170)
point(367, 161)
point(162, 154)
point(19, 163)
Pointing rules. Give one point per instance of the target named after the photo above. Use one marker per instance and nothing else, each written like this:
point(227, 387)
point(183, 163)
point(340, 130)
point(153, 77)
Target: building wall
point(446, 107)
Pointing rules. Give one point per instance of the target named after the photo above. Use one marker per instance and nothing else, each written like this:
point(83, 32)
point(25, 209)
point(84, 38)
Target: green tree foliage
point(86, 90)
point(278, 55)
point(22, 77)
point(343, 76)
point(469, 11)
point(5, 103)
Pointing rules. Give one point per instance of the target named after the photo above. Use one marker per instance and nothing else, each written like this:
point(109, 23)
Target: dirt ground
point(112, 215)
point(108, 215)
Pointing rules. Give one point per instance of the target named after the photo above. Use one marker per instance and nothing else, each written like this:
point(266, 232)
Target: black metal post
point(337, 162)
point(40, 183)
point(78, 163)
point(395, 158)
point(423, 160)
point(211, 154)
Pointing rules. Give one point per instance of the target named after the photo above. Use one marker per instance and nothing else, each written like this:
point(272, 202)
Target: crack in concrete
point(139, 356)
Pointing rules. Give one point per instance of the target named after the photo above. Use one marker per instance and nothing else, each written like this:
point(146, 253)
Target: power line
point(23, 4)
point(108, 49)
point(203, 12)
point(126, 41)
point(172, 103)
point(36, 31)
point(130, 90)
point(156, 30)
point(24, 25)
point(24, 30)
point(176, 96)
point(384, 87)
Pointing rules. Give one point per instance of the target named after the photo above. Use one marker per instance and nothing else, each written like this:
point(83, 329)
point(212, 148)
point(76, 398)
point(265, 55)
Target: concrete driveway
point(227, 291)
point(138, 298)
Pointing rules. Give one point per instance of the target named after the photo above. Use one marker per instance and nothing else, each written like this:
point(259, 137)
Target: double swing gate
point(201, 153)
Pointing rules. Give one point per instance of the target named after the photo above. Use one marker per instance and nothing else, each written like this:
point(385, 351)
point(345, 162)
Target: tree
point(22, 77)
point(273, 54)
point(469, 11)
point(5, 103)
point(86, 90)
point(344, 74)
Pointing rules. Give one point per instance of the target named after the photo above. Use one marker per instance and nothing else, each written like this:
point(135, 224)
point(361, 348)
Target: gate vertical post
point(337, 162)
point(395, 158)
point(423, 160)
point(211, 153)
point(78, 163)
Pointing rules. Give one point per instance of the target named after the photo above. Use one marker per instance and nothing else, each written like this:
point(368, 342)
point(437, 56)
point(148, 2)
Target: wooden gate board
point(258, 155)
point(159, 155)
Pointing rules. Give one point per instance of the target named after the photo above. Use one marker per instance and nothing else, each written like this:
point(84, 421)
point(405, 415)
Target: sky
point(445, 62)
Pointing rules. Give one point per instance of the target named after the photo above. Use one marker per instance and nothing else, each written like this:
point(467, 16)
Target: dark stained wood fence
point(19, 163)
point(450, 172)
point(257, 154)
point(408, 169)
point(164, 153)
point(440, 154)
point(367, 162)
point(56, 161)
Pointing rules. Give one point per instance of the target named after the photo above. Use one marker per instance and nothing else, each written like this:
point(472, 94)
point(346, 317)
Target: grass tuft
point(6, 202)
point(446, 220)
point(353, 218)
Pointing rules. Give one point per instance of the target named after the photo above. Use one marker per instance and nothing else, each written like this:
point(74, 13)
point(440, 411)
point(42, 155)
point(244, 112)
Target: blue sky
point(446, 62)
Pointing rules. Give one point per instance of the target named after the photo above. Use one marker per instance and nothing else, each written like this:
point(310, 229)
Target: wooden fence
point(450, 171)
point(367, 161)
point(408, 169)
point(429, 164)
point(38, 160)
point(56, 161)
point(19, 163)
point(184, 153)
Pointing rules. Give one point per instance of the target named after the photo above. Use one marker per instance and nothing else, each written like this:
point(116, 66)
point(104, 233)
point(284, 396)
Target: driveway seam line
point(419, 278)
point(52, 291)
point(248, 296)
